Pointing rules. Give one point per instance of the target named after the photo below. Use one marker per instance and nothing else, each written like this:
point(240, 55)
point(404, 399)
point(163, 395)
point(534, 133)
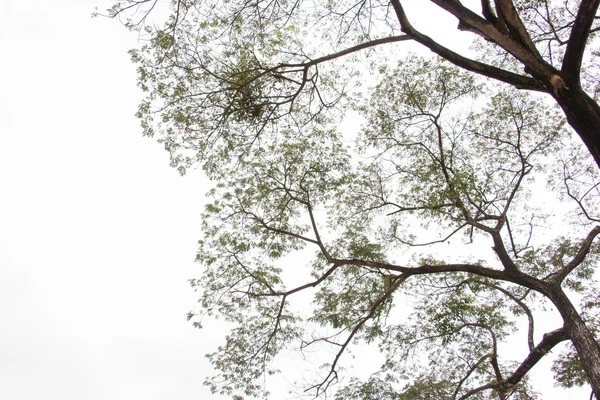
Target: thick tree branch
point(519, 81)
point(506, 10)
point(490, 32)
point(503, 275)
point(488, 13)
point(548, 342)
point(500, 249)
point(571, 67)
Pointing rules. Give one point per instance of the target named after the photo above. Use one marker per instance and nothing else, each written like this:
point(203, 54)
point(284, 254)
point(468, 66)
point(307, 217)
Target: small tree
point(244, 90)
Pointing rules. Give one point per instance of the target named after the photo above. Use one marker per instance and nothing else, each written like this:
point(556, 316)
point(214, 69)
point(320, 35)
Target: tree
point(245, 91)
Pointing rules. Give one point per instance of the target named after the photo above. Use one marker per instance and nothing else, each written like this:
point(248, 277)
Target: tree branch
point(488, 13)
point(503, 275)
point(313, 223)
point(442, 240)
point(500, 250)
point(584, 249)
point(469, 372)
point(332, 372)
point(490, 32)
point(509, 16)
point(277, 230)
point(519, 81)
point(492, 385)
point(579, 200)
point(548, 342)
point(530, 320)
point(571, 66)
point(354, 49)
point(314, 283)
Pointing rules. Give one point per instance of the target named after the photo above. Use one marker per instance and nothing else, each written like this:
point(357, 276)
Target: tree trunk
point(581, 337)
point(583, 114)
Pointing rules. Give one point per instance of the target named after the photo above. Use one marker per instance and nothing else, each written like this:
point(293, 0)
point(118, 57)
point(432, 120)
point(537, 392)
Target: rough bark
point(583, 114)
point(582, 338)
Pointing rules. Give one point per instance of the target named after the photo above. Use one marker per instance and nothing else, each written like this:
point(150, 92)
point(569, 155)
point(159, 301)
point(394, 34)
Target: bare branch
point(469, 372)
point(470, 393)
point(313, 222)
point(579, 200)
point(442, 240)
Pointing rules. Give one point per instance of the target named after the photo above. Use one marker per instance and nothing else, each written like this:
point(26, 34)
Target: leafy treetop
point(254, 92)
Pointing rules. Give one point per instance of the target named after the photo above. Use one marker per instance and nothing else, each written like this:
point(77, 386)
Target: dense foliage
point(359, 216)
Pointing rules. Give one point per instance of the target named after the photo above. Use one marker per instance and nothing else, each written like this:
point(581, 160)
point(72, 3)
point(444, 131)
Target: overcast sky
point(97, 233)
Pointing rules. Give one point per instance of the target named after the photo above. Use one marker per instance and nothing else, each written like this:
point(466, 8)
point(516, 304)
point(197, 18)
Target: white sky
point(97, 233)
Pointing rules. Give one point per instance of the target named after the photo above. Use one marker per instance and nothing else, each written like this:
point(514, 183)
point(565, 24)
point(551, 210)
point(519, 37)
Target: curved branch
point(442, 240)
point(314, 283)
point(521, 304)
point(519, 81)
point(494, 355)
point(503, 275)
point(470, 393)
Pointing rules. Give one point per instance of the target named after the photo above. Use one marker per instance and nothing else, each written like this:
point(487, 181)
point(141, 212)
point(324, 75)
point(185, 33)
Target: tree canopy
point(495, 153)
